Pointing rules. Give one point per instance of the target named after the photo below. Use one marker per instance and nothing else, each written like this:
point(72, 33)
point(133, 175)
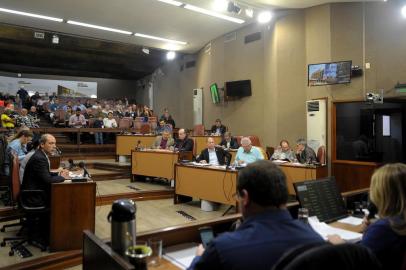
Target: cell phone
point(206, 235)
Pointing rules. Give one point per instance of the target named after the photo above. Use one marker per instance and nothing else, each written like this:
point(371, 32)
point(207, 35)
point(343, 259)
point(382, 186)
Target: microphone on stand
point(71, 164)
point(85, 172)
point(138, 145)
point(58, 151)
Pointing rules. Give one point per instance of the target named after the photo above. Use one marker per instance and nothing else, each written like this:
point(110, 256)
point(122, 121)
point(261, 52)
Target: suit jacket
point(223, 129)
point(233, 143)
point(184, 145)
point(223, 156)
point(158, 140)
point(257, 244)
point(307, 155)
point(37, 176)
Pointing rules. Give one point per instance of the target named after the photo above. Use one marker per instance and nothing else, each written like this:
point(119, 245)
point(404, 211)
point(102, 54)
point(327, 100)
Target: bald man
point(214, 155)
point(183, 143)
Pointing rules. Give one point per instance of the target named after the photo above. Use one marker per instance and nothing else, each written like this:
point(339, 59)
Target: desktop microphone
point(59, 151)
point(138, 145)
point(85, 172)
point(71, 164)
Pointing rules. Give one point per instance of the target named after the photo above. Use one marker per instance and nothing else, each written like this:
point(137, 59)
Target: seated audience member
point(228, 141)
point(88, 114)
point(96, 105)
point(247, 153)
point(304, 153)
point(6, 120)
point(147, 113)
point(160, 127)
point(109, 121)
point(77, 120)
point(68, 114)
point(98, 123)
point(167, 118)
point(24, 119)
point(165, 141)
point(214, 155)
point(31, 148)
point(79, 106)
point(37, 176)
point(183, 143)
point(218, 128)
point(67, 105)
point(268, 230)
point(34, 114)
point(19, 143)
point(284, 152)
point(387, 236)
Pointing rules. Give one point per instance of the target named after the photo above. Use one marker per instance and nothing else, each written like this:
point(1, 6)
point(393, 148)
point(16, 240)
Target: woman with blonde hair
point(386, 237)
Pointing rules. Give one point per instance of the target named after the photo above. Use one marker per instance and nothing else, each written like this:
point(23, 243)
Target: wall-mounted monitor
point(329, 73)
point(238, 88)
point(215, 95)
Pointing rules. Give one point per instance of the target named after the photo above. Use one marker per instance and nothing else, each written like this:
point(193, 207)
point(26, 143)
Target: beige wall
point(277, 67)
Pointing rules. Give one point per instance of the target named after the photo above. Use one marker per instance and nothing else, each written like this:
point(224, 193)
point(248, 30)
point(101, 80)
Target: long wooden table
point(298, 173)
point(154, 163)
point(207, 183)
point(126, 143)
point(73, 208)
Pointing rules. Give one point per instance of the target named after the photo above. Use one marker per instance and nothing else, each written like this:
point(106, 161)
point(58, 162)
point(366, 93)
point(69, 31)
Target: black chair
point(31, 222)
point(327, 256)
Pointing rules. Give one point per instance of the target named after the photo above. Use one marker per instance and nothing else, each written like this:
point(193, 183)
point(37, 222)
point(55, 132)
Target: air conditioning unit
point(316, 119)
point(197, 106)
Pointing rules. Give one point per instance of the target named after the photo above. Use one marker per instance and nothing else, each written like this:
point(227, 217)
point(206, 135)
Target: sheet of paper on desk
point(324, 230)
point(200, 164)
point(277, 161)
point(351, 220)
point(181, 255)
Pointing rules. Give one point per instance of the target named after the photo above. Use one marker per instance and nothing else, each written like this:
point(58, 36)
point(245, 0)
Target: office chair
point(30, 219)
point(327, 256)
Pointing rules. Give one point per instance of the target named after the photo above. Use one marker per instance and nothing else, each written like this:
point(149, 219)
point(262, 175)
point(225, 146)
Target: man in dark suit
point(268, 229)
point(214, 155)
point(218, 128)
point(37, 176)
point(229, 142)
point(183, 143)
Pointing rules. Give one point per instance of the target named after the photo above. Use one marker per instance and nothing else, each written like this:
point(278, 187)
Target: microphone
point(138, 145)
point(85, 172)
point(71, 164)
point(59, 151)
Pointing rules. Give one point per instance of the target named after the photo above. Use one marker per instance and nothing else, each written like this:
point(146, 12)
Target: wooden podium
point(73, 208)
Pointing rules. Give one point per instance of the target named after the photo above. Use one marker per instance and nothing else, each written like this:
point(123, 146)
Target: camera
point(374, 98)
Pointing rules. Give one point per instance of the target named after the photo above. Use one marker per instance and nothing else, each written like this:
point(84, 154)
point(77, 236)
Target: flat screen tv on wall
point(214, 91)
point(238, 88)
point(329, 73)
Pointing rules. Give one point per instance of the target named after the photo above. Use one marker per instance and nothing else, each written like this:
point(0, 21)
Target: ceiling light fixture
point(220, 5)
point(31, 15)
point(249, 12)
point(264, 17)
point(55, 39)
point(214, 14)
point(403, 11)
point(160, 38)
point(172, 2)
point(99, 27)
point(145, 50)
point(170, 55)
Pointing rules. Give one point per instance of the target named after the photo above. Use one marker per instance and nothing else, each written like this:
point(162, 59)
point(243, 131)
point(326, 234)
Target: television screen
point(329, 73)
point(238, 88)
point(215, 97)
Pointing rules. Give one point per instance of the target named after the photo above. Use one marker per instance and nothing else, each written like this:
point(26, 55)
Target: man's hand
point(199, 250)
point(335, 239)
point(64, 173)
point(241, 162)
point(203, 161)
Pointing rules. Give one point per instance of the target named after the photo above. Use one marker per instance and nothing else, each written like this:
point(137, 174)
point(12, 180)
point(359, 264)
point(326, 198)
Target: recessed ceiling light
point(160, 38)
point(220, 5)
point(172, 2)
point(145, 50)
point(249, 12)
point(264, 17)
point(170, 55)
point(99, 27)
point(214, 14)
point(30, 15)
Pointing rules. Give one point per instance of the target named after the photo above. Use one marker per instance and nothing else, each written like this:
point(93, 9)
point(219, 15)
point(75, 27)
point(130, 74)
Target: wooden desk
point(125, 143)
point(154, 163)
point(72, 211)
point(207, 183)
point(299, 173)
point(201, 143)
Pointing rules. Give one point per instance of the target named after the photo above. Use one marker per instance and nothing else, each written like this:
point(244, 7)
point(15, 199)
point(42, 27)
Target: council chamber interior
point(155, 109)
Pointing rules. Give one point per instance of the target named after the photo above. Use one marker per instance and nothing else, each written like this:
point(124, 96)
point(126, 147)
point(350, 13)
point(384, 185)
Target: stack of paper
point(351, 220)
point(181, 255)
point(324, 230)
